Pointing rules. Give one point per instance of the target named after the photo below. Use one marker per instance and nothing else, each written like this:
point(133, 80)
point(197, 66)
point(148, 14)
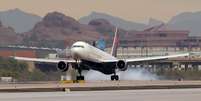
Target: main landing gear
point(114, 77)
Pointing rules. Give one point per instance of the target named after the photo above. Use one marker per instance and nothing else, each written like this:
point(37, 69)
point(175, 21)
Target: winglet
point(115, 43)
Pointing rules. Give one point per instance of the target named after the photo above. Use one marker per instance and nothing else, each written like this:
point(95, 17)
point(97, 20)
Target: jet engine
point(121, 65)
point(63, 66)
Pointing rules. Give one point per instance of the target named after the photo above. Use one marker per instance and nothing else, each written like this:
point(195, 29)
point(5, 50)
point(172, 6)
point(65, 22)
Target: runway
point(97, 85)
point(124, 95)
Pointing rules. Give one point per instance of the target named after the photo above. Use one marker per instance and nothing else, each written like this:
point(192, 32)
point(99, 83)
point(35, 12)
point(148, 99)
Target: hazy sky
point(134, 10)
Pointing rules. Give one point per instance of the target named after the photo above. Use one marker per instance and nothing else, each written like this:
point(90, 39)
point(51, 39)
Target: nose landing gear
point(79, 68)
point(80, 76)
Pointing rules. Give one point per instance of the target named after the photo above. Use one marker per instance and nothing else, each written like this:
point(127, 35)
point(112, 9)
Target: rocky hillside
point(154, 22)
point(19, 20)
point(119, 22)
point(58, 30)
point(188, 21)
point(106, 28)
point(8, 36)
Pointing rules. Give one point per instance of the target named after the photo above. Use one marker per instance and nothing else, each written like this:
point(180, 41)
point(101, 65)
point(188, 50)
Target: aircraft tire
point(80, 77)
point(114, 77)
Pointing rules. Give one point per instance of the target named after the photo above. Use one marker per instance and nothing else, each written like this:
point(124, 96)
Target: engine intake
point(63, 66)
point(121, 65)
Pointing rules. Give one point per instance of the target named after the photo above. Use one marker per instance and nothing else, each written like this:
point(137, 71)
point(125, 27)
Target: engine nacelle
point(63, 66)
point(121, 65)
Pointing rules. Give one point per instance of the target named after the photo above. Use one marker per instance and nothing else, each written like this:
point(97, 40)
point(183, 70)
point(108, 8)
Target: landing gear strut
point(79, 68)
point(80, 76)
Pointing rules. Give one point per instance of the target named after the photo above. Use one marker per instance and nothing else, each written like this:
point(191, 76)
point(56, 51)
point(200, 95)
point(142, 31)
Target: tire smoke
point(129, 74)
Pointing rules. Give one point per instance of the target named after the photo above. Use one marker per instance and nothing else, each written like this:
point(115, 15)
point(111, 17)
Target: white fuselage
point(84, 51)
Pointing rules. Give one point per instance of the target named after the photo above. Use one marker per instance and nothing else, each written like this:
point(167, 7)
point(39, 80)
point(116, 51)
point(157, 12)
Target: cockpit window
point(77, 46)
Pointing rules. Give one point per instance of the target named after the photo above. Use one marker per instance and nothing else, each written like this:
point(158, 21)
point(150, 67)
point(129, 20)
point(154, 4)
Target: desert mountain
point(19, 20)
point(8, 36)
point(105, 28)
point(59, 30)
point(184, 21)
point(188, 21)
point(121, 23)
point(154, 22)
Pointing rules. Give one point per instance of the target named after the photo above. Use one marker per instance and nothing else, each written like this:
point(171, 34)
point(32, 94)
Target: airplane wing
point(43, 60)
point(150, 58)
point(156, 58)
point(127, 60)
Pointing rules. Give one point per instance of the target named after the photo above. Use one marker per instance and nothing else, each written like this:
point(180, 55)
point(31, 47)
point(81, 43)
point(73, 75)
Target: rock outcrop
point(8, 36)
point(58, 30)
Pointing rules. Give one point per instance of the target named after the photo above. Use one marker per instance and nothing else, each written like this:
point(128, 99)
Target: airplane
point(88, 56)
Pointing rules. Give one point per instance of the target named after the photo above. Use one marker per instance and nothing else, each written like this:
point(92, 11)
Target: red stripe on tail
point(115, 43)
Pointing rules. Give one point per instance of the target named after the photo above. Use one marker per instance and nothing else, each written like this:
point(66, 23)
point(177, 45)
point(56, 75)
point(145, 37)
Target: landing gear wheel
point(80, 78)
point(114, 77)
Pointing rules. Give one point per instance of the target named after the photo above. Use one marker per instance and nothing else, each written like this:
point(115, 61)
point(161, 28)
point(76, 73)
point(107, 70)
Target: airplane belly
point(106, 68)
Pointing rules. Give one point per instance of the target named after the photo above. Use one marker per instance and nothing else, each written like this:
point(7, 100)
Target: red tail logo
point(115, 43)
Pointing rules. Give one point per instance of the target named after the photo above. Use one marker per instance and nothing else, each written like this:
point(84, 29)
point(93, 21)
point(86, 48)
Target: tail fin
point(115, 43)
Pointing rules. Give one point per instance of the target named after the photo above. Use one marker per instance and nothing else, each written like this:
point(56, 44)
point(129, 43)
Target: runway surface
point(98, 85)
point(124, 95)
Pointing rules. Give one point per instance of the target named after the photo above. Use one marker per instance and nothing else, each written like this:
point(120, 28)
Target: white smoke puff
point(95, 75)
point(137, 74)
point(129, 74)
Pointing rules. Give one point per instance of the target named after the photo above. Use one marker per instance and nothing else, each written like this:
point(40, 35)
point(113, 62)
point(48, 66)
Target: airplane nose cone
point(75, 52)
